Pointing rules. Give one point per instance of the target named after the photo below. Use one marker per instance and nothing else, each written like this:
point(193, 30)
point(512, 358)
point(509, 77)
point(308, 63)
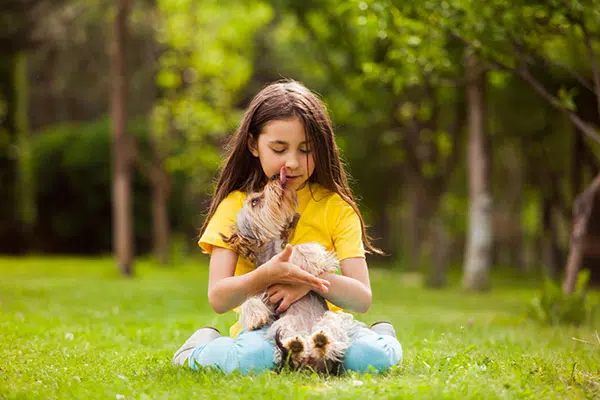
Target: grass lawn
point(72, 328)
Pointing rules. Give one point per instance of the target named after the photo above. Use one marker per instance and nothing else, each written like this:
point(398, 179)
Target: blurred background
point(469, 128)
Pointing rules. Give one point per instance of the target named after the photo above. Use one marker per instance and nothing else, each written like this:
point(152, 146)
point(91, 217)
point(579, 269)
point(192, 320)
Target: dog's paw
point(255, 322)
point(326, 348)
point(254, 314)
point(295, 345)
point(320, 341)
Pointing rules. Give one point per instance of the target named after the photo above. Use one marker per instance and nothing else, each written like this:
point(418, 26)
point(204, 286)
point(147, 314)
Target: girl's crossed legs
point(251, 351)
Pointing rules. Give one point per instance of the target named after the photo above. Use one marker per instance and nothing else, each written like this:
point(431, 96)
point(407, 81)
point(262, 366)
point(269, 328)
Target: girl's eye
point(278, 151)
point(305, 151)
point(254, 202)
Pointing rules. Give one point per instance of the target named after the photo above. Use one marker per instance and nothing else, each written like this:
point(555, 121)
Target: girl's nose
point(291, 163)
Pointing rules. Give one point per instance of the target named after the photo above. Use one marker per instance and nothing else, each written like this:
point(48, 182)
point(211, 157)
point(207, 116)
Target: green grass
point(71, 328)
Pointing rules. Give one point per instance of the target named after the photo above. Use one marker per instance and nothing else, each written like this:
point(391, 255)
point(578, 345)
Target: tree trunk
point(25, 181)
point(582, 209)
point(160, 215)
point(441, 254)
point(575, 254)
point(10, 238)
point(415, 237)
point(122, 146)
point(549, 240)
point(414, 224)
point(577, 164)
point(479, 241)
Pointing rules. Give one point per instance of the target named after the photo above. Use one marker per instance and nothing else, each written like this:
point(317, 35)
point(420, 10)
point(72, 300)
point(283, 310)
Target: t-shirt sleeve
point(221, 222)
point(347, 232)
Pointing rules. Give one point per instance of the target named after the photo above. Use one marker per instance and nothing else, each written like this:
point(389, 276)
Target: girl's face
point(283, 143)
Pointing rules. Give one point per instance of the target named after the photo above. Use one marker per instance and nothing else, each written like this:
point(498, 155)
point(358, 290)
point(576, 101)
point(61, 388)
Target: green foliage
point(566, 97)
point(381, 67)
point(413, 50)
point(454, 208)
point(530, 215)
point(372, 62)
point(554, 307)
point(519, 35)
point(205, 66)
point(72, 163)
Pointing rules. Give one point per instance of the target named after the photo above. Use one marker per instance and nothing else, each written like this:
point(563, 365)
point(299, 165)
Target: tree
point(205, 61)
point(479, 242)
point(392, 88)
point(21, 30)
point(519, 36)
point(535, 41)
point(122, 144)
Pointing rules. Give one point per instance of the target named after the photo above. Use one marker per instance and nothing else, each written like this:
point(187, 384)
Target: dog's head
point(264, 216)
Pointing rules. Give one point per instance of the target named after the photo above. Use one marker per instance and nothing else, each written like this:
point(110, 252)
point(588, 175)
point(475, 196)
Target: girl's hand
point(286, 294)
point(279, 270)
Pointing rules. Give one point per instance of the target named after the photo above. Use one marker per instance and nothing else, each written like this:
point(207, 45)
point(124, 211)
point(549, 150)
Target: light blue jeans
point(251, 351)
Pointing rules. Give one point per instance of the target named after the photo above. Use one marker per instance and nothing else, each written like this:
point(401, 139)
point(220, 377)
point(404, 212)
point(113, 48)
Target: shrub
point(554, 307)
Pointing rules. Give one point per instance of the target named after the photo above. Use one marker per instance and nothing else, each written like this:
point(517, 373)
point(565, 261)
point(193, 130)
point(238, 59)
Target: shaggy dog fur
point(307, 334)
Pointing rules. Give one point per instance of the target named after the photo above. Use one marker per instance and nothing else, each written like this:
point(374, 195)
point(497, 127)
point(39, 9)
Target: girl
point(286, 125)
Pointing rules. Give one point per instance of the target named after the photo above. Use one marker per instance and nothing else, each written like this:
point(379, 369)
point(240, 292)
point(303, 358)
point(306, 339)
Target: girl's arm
point(226, 291)
point(352, 290)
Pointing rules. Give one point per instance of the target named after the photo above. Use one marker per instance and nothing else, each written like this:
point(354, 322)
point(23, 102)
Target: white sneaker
point(383, 328)
point(202, 336)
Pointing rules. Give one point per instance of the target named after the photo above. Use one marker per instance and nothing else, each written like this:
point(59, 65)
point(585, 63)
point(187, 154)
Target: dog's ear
point(233, 240)
point(243, 246)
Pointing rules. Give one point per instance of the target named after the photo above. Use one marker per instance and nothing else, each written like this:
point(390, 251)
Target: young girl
point(286, 125)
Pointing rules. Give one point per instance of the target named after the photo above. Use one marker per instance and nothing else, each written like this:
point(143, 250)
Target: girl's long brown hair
point(278, 101)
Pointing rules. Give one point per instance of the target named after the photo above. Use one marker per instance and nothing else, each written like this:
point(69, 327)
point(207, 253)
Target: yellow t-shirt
point(325, 218)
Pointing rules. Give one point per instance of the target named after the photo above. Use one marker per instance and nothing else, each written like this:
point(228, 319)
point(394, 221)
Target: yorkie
point(307, 334)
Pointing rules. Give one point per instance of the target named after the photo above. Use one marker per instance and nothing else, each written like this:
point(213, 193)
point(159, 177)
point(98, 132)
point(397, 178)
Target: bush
point(554, 307)
point(72, 164)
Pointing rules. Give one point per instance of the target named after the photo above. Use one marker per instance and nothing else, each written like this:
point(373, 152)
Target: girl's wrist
point(266, 275)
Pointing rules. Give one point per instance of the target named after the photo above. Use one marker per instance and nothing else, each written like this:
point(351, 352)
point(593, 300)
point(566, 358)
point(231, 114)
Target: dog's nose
point(276, 176)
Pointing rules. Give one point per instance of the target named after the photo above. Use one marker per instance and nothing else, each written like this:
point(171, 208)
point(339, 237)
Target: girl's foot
point(202, 336)
point(383, 328)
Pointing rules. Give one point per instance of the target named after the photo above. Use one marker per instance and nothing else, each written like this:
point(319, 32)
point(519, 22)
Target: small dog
point(307, 334)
